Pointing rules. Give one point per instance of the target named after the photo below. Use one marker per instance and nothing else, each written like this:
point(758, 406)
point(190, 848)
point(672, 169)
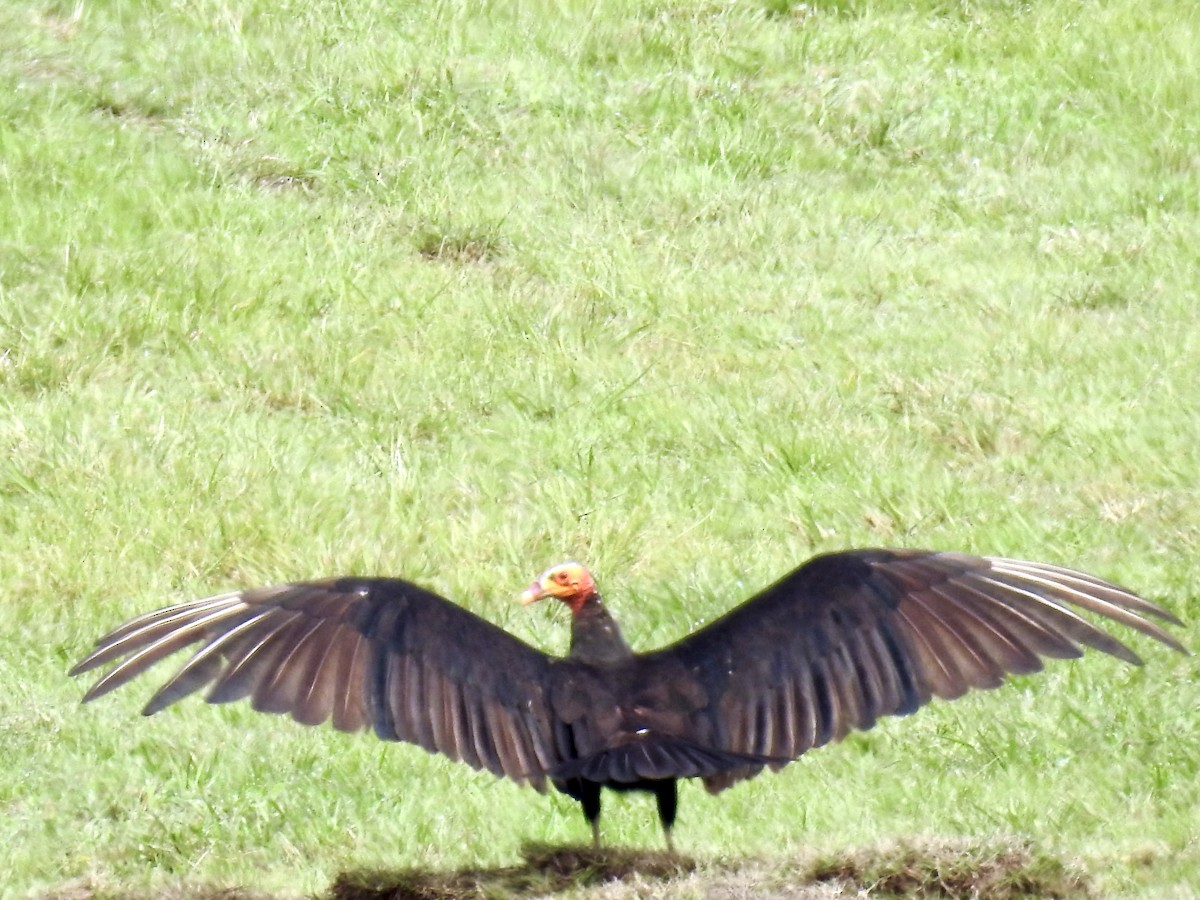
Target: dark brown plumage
point(839, 642)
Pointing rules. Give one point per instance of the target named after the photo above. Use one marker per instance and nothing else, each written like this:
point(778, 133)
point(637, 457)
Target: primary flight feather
point(844, 639)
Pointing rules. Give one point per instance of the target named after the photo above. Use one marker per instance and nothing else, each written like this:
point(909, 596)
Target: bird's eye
point(560, 576)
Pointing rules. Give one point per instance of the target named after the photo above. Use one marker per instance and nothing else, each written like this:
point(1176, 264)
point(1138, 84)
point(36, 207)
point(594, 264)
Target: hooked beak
point(532, 594)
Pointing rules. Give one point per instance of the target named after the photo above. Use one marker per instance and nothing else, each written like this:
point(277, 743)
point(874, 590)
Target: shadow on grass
point(987, 870)
point(545, 870)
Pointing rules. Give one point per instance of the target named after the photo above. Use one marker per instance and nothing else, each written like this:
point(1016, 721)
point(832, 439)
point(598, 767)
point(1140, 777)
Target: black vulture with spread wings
point(844, 639)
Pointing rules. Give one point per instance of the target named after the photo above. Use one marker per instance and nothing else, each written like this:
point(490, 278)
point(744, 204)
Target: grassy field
point(687, 290)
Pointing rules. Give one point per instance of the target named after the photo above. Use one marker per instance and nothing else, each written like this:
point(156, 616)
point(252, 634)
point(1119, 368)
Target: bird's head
point(569, 582)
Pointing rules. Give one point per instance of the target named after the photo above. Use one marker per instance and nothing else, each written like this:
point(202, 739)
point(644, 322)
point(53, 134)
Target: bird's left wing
point(360, 651)
point(849, 637)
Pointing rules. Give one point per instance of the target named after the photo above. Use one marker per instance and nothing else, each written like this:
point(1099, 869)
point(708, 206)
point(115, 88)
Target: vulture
point(844, 639)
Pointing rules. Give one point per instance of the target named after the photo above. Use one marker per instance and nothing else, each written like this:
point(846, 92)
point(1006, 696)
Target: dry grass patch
point(462, 248)
point(986, 871)
point(93, 889)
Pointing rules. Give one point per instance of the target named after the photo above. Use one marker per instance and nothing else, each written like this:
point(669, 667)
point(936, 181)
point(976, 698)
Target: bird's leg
point(667, 795)
point(589, 796)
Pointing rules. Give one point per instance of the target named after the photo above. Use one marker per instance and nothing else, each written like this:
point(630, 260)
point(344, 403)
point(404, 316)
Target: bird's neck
point(595, 636)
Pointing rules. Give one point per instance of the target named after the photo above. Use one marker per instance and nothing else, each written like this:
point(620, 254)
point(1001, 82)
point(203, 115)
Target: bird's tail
point(659, 758)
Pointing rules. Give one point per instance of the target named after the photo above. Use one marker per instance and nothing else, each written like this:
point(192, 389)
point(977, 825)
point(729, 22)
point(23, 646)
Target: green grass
point(687, 290)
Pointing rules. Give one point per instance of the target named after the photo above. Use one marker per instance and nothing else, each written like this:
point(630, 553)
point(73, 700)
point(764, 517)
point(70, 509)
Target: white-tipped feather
point(1094, 602)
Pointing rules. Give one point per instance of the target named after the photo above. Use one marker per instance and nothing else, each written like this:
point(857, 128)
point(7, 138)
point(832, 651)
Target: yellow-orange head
point(569, 582)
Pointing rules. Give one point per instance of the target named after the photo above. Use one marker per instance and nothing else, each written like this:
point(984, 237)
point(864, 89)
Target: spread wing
point(360, 651)
point(849, 637)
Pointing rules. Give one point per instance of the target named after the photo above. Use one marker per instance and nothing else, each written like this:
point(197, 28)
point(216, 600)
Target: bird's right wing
point(849, 637)
point(362, 652)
